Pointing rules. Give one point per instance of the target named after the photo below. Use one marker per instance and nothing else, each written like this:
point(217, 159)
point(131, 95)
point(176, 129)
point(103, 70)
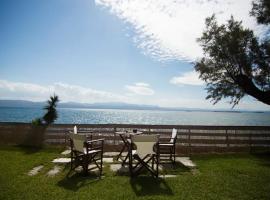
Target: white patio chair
point(144, 153)
point(85, 152)
point(168, 148)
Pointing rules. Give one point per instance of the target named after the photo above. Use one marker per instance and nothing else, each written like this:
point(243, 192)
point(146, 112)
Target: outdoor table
point(125, 136)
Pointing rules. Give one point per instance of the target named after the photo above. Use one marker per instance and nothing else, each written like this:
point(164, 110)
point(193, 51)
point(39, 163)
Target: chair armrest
point(89, 137)
point(95, 144)
point(167, 139)
point(165, 143)
point(93, 141)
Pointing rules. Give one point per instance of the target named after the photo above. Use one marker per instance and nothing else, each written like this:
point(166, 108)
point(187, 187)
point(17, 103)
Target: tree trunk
point(249, 87)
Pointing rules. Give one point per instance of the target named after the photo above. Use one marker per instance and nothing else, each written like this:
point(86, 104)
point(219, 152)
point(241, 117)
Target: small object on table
point(75, 130)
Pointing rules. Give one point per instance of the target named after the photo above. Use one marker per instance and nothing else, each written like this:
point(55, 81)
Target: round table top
point(128, 132)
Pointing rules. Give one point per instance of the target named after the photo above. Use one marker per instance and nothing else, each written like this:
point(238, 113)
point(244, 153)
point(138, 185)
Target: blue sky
point(106, 51)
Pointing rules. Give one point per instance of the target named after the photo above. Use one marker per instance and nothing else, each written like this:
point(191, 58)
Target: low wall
point(191, 139)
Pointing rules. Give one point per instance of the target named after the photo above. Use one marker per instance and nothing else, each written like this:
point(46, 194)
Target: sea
point(117, 116)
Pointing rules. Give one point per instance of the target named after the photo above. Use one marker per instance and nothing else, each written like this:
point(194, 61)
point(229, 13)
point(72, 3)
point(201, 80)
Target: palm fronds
point(51, 114)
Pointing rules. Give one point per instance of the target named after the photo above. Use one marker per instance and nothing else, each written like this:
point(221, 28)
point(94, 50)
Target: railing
point(191, 139)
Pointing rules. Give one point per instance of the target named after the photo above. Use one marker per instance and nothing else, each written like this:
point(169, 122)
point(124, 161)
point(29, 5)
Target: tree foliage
point(51, 114)
point(235, 63)
point(261, 10)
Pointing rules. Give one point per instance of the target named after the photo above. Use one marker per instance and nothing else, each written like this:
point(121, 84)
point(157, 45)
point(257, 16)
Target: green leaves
point(234, 62)
point(261, 10)
point(51, 114)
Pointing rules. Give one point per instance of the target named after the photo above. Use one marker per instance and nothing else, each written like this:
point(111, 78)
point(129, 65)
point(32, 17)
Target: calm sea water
point(99, 116)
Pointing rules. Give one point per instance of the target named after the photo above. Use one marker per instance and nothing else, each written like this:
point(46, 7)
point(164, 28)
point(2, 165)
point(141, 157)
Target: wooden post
point(250, 142)
point(114, 137)
point(65, 137)
point(227, 140)
point(189, 144)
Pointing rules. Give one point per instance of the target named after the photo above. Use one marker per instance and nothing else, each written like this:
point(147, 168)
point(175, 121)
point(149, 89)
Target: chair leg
point(71, 159)
point(144, 164)
point(71, 163)
point(174, 155)
point(85, 165)
point(130, 164)
point(120, 154)
point(125, 160)
point(157, 163)
point(101, 162)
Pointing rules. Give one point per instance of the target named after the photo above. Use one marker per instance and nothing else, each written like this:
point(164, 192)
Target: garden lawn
point(234, 176)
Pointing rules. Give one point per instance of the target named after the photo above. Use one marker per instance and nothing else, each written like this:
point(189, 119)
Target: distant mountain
point(110, 105)
point(20, 103)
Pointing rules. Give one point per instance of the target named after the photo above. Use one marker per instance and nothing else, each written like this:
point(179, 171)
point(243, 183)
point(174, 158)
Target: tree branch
point(249, 87)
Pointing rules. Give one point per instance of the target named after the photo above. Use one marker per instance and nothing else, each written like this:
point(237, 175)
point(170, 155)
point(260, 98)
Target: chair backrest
point(145, 144)
point(78, 142)
point(174, 135)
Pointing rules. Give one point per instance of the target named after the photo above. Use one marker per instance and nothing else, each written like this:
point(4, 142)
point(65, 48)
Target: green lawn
point(237, 176)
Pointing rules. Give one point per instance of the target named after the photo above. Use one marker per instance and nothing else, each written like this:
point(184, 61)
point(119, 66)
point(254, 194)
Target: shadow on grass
point(123, 171)
point(263, 158)
point(76, 181)
point(28, 149)
point(177, 168)
point(148, 185)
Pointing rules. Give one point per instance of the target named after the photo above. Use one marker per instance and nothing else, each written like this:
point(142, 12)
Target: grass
point(235, 176)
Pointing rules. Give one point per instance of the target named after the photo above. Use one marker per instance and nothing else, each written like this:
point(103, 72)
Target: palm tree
point(51, 114)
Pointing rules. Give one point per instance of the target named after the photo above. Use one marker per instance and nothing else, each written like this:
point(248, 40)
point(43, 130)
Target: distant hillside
point(112, 105)
point(20, 103)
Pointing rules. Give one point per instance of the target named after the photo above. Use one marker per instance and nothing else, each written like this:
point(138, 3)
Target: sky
point(132, 51)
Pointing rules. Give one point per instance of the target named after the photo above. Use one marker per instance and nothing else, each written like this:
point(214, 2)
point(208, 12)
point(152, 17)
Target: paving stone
point(66, 152)
point(79, 169)
point(55, 170)
point(124, 169)
point(108, 160)
point(168, 176)
point(119, 168)
point(91, 166)
point(62, 160)
point(115, 167)
point(167, 166)
point(110, 154)
point(195, 171)
point(35, 170)
point(124, 154)
point(186, 162)
point(160, 167)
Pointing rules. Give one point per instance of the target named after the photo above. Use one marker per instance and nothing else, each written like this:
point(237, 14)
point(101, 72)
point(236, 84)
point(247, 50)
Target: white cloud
point(24, 91)
point(188, 78)
point(142, 84)
point(66, 92)
point(247, 103)
point(167, 29)
point(140, 89)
